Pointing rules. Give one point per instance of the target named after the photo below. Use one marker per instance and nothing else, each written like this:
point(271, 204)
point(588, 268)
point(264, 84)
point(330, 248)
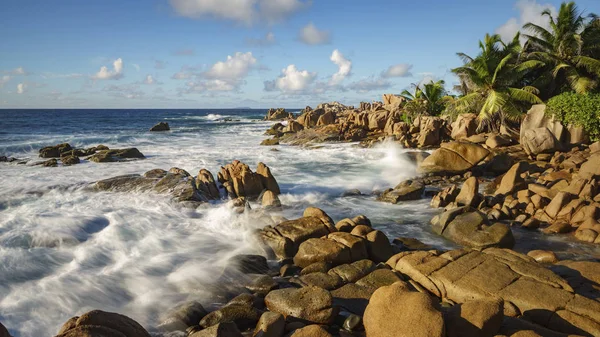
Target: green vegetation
point(577, 109)
point(502, 82)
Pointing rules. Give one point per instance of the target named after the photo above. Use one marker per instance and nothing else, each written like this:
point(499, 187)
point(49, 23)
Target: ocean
point(65, 250)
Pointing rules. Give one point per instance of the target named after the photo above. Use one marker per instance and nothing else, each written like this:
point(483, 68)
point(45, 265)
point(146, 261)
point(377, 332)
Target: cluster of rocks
point(278, 114)
point(235, 180)
point(99, 154)
point(346, 279)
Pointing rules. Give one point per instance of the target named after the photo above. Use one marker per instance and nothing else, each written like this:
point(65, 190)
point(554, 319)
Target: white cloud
point(113, 74)
point(21, 87)
point(398, 70)
point(529, 11)
point(149, 80)
point(369, 84)
point(3, 80)
point(311, 35)
point(344, 67)
point(291, 80)
point(136, 66)
point(225, 75)
point(243, 11)
point(267, 40)
point(18, 71)
point(234, 68)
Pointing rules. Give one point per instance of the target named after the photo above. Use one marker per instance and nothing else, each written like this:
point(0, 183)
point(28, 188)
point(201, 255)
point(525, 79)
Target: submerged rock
point(162, 126)
point(54, 151)
point(114, 155)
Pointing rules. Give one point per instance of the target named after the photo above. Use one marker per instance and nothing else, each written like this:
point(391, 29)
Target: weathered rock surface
point(114, 155)
point(421, 317)
point(307, 304)
point(453, 157)
point(534, 291)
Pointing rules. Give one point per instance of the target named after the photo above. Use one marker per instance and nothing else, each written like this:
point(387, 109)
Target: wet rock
point(54, 151)
point(410, 244)
point(48, 163)
point(321, 250)
point(243, 315)
point(270, 200)
point(270, 142)
point(205, 184)
point(182, 316)
point(285, 238)
point(4, 332)
point(70, 160)
point(308, 304)
point(453, 158)
point(250, 264)
point(382, 317)
point(102, 323)
point(161, 126)
point(115, 155)
point(225, 329)
point(270, 324)
point(352, 322)
point(407, 190)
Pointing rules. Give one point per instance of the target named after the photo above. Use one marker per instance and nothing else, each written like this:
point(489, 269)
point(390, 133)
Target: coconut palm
point(569, 51)
point(493, 81)
point(433, 93)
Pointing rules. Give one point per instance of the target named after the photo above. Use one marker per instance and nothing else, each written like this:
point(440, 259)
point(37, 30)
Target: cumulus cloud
point(529, 11)
point(291, 81)
point(242, 11)
point(18, 71)
point(3, 80)
point(398, 70)
point(369, 84)
point(267, 40)
point(21, 88)
point(311, 35)
point(226, 75)
point(110, 74)
point(344, 67)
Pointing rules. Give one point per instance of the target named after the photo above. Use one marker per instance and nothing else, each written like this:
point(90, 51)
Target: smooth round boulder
point(270, 324)
point(102, 323)
point(453, 158)
point(183, 316)
point(394, 311)
point(309, 304)
point(321, 250)
point(311, 331)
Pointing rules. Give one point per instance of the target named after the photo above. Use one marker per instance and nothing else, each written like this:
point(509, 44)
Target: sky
point(240, 53)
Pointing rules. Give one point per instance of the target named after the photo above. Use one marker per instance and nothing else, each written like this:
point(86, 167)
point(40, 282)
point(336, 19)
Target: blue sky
point(233, 53)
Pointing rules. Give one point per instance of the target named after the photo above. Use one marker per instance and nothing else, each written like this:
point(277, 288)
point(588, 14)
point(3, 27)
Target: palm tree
point(569, 51)
point(433, 93)
point(493, 82)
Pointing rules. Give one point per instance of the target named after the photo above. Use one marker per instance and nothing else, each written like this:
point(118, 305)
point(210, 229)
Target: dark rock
point(54, 151)
point(107, 156)
point(101, 323)
point(183, 316)
point(162, 126)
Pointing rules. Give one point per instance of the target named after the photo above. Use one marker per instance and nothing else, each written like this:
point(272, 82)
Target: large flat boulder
point(307, 304)
point(453, 158)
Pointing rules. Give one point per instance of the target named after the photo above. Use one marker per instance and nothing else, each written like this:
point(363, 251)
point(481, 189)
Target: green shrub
point(577, 109)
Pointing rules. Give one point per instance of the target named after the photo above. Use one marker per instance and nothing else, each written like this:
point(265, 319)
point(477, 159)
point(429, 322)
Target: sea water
point(65, 250)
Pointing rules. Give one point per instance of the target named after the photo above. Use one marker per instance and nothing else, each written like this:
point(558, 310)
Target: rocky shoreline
point(319, 277)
